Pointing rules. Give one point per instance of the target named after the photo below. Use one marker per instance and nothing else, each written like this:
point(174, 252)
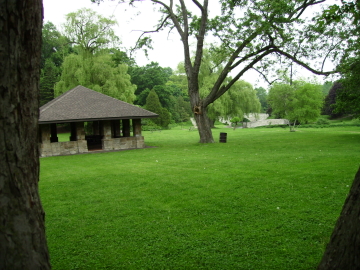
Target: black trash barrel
point(223, 137)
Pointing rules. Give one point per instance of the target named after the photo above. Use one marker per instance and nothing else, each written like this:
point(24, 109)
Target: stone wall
point(123, 143)
point(79, 144)
point(49, 149)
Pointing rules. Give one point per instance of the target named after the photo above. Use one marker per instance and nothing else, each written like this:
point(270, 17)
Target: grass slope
point(266, 199)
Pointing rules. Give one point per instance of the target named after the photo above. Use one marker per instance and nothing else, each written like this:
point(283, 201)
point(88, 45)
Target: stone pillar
point(44, 133)
point(73, 136)
point(44, 144)
point(80, 131)
point(54, 137)
point(126, 127)
point(80, 137)
point(107, 141)
point(136, 127)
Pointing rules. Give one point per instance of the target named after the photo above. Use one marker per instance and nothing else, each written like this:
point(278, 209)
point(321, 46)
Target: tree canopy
point(96, 64)
point(97, 73)
point(249, 35)
point(344, 20)
point(300, 102)
point(153, 104)
point(55, 47)
point(147, 77)
point(90, 31)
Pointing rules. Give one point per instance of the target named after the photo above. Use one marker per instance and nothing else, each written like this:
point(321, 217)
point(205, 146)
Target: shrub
point(322, 121)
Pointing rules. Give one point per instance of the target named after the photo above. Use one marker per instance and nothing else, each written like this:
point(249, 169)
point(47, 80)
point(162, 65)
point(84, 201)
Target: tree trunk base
point(343, 250)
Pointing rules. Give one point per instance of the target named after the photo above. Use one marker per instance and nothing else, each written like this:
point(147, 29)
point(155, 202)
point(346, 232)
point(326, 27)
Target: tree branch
point(300, 63)
point(264, 76)
point(225, 88)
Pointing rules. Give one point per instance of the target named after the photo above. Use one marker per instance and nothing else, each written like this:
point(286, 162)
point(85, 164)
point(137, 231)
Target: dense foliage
point(330, 101)
point(299, 103)
point(343, 19)
point(153, 104)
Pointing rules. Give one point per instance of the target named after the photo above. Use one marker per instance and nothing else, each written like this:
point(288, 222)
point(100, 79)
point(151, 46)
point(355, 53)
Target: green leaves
point(98, 73)
point(90, 31)
point(300, 102)
point(153, 104)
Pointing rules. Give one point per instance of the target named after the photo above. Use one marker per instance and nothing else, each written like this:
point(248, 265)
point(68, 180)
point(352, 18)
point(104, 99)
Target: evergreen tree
point(48, 78)
point(148, 77)
point(153, 104)
point(55, 47)
point(330, 101)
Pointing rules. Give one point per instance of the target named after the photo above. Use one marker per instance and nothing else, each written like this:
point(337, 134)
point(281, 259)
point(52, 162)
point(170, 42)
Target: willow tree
point(90, 31)
point(97, 73)
point(93, 65)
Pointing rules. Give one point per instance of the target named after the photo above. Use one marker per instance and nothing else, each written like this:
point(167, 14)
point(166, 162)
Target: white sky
point(168, 51)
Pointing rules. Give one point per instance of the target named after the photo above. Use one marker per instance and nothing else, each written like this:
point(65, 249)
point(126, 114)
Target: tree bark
point(343, 250)
point(203, 123)
point(22, 229)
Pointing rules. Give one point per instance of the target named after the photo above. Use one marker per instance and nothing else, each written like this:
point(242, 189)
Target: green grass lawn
point(266, 199)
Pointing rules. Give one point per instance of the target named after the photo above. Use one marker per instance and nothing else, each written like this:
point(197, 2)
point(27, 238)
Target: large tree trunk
point(22, 229)
point(204, 125)
point(199, 110)
point(344, 248)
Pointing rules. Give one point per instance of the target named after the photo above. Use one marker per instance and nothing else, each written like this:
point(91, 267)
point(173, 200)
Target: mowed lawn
point(266, 199)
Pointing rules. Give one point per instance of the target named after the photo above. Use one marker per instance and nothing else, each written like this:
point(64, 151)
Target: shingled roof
point(82, 104)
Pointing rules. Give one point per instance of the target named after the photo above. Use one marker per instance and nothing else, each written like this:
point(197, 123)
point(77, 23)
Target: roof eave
point(93, 119)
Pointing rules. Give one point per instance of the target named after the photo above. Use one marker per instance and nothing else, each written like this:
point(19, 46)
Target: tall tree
point(348, 95)
point(147, 77)
point(262, 95)
point(251, 34)
point(330, 101)
point(300, 102)
point(153, 104)
point(344, 19)
point(97, 73)
point(90, 31)
point(48, 78)
point(95, 66)
point(342, 252)
point(55, 46)
point(22, 229)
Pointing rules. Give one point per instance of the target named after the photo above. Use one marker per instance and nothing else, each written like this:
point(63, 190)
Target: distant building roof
point(83, 104)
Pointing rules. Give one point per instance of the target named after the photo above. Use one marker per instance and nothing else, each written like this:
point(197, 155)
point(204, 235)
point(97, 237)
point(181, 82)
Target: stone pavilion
point(97, 122)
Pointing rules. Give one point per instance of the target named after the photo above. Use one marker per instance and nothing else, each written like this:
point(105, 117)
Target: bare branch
point(264, 76)
point(304, 6)
point(306, 66)
point(148, 32)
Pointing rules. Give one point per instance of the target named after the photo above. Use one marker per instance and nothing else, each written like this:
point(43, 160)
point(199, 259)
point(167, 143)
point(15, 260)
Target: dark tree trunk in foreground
point(22, 230)
point(204, 125)
point(343, 251)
